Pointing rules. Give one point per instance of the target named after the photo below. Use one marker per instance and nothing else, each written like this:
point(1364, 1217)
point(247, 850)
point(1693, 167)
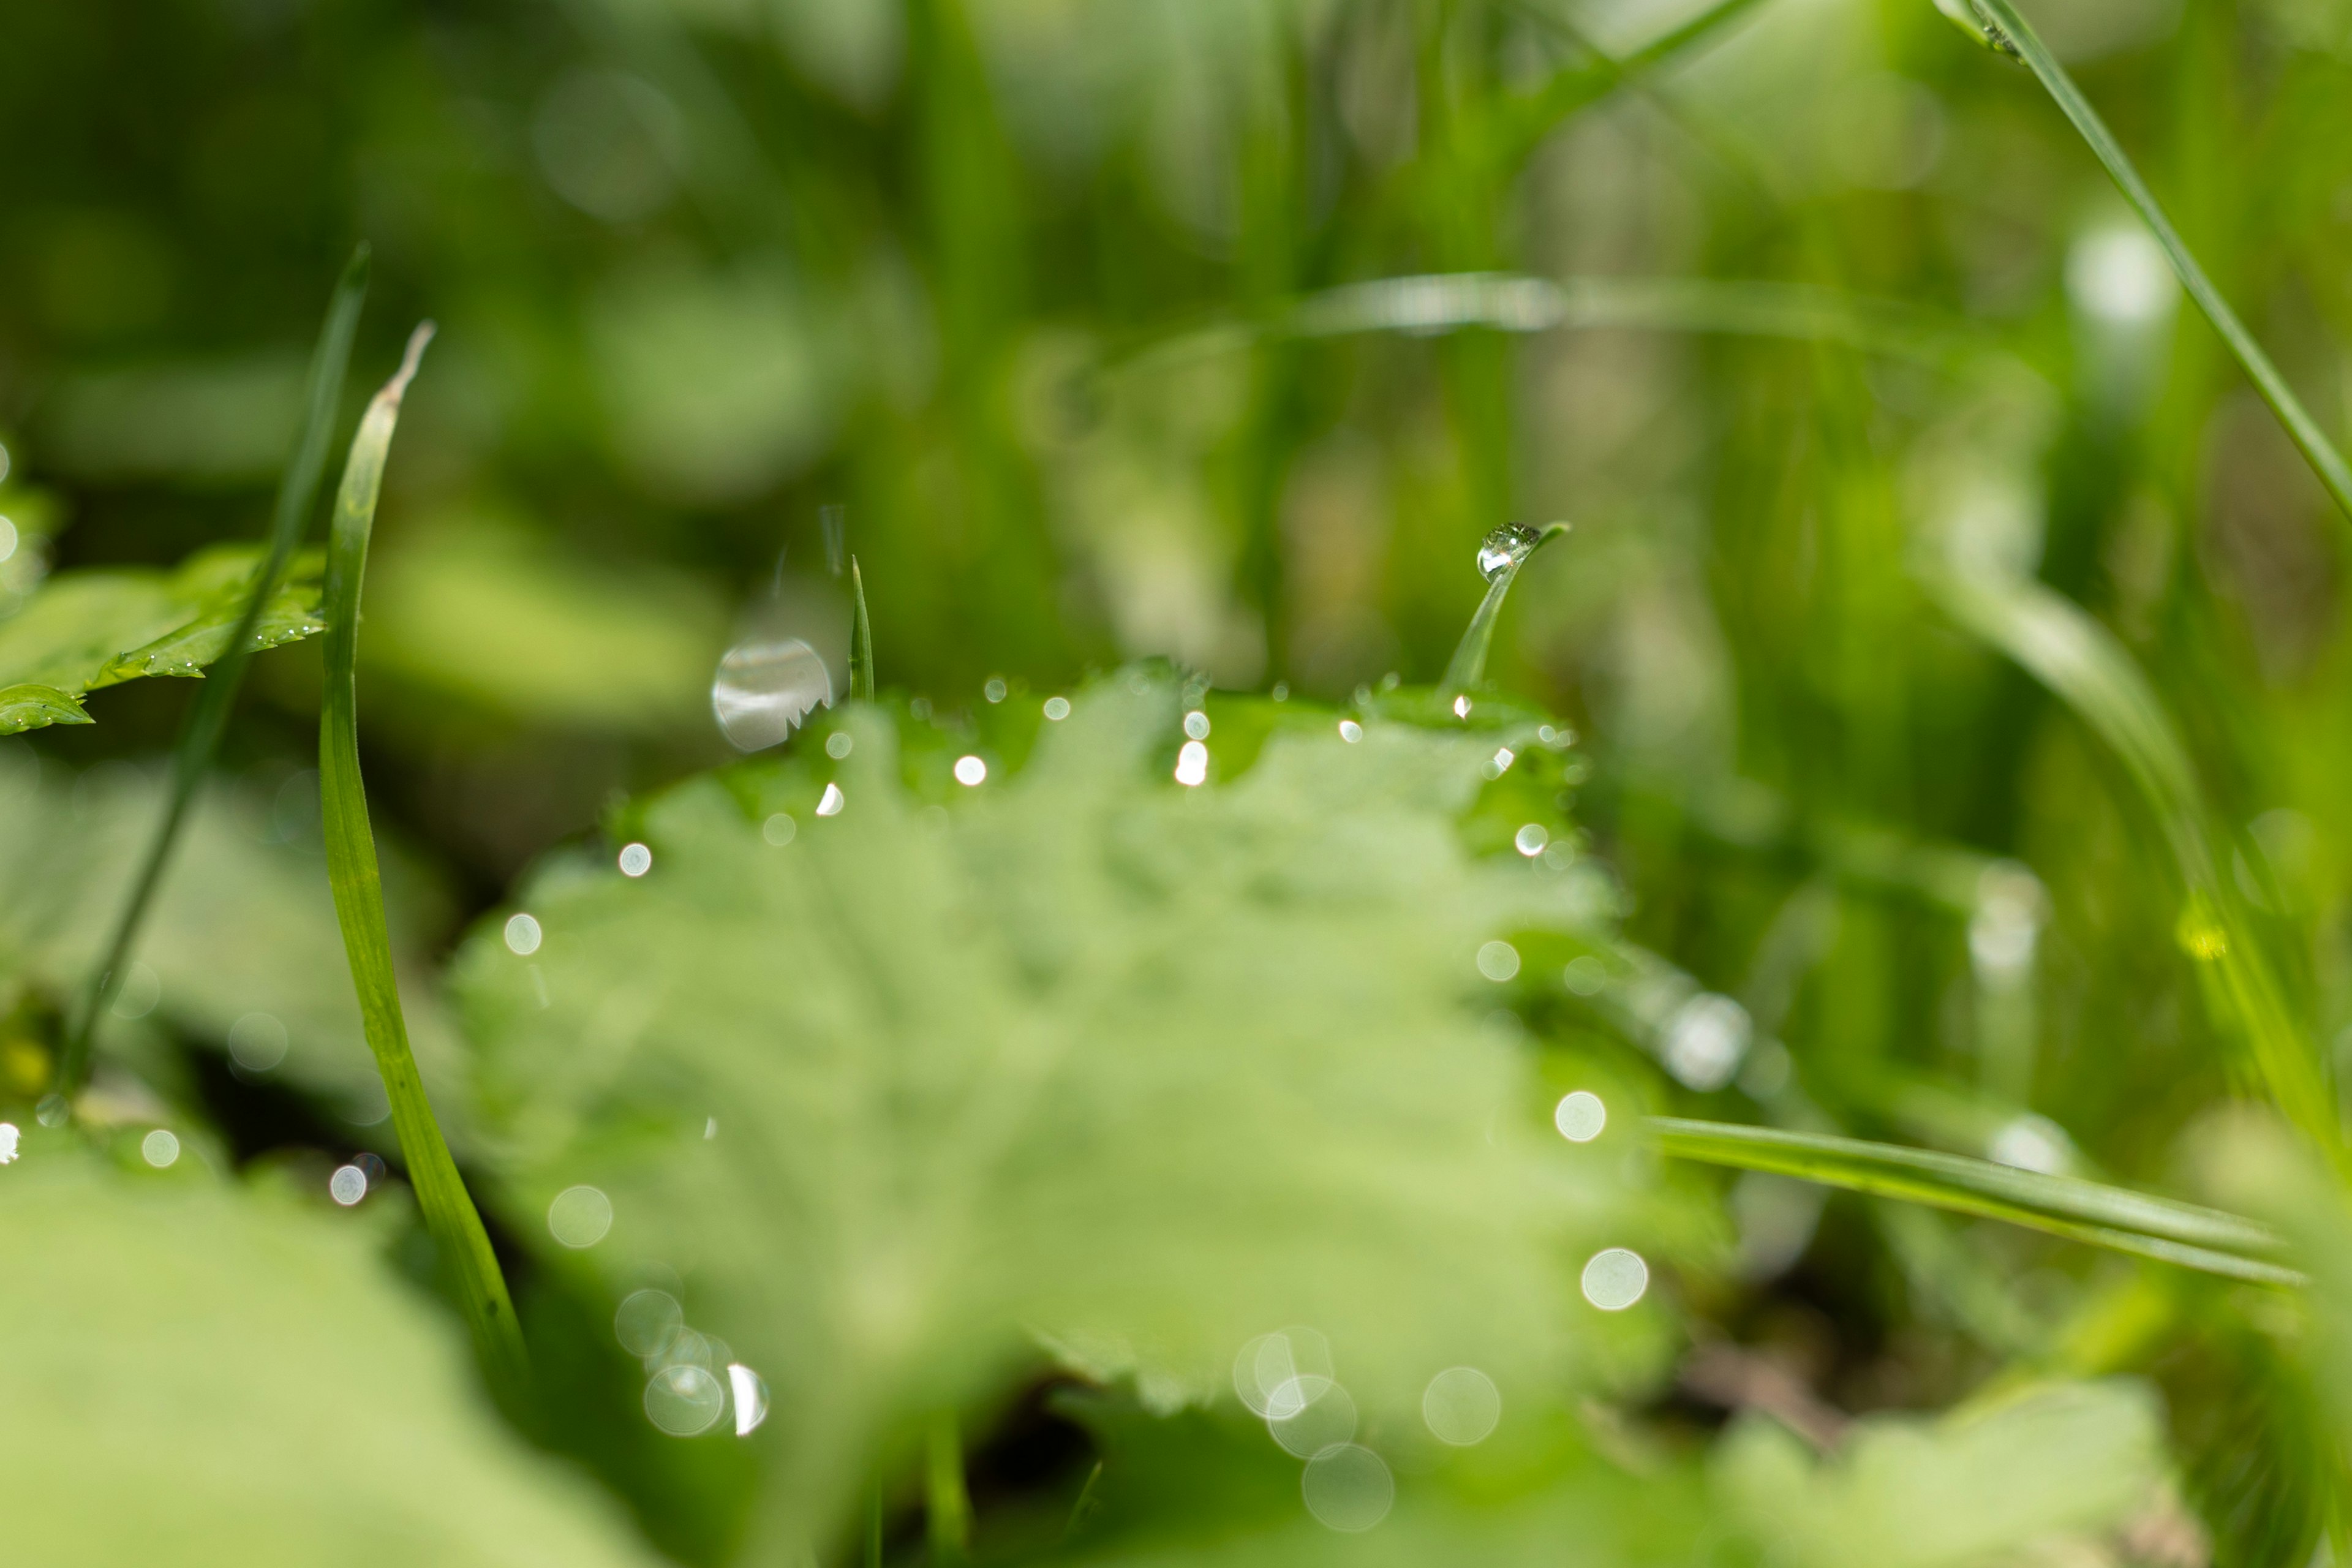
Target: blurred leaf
point(81, 631)
point(243, 924)
point(475, 608)
point(1148, 1069)
point(2063, 1205)
point(1900, 1492)
point(223, 1378)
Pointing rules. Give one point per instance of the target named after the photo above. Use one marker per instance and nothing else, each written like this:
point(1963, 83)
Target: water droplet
point(256, 1042)
point(522, 934)
point(994, 689)
point(1192, 765)
point(1348, 1487)
point(1530, 840)
point(1580, 1116)
point(140, 991)
point(1500, 762)
point(1057, 709)
point(1282, 692)
point(1351, 732)
point(778, 828)
point(684, 1400)
point(1196, 725)
point(1499, 961)
point(348, 1185)
point(2030, 1142)
point(160, 1148)
point(831, 801)
point(647, 1323)
point(1462, 1405)
point(1615, 1278)
point(837, 745)
point(7, 539)
point(1461, 707)
point(1705, 1040)
point(53, 1110)
point(1275, 1362)
point(765, 688)
point(635, 859)
point(9, 1139)
point(1506, 548)
point(971, 771)
point(1585, 975)
point(580, 1216)
point(1309, 1414)
point(751, 1392)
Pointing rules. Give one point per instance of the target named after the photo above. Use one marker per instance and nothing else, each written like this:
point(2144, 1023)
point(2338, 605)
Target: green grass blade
point(2113, 1217)
point(2323, 457)
point(2077, 659)
point(191, 759)
point(1468, 665)
point(861, 640)
point(450, 1213)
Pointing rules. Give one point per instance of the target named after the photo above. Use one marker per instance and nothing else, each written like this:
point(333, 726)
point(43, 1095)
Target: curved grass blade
point(1511, 545)
point(861, 640)
point(298, 490)
point(2079, 660)
point(2113, 1217)
point(2013, 34)
point(450, 1213)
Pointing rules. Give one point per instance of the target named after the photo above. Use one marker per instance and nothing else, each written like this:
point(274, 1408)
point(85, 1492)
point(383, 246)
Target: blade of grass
point(450, 1213)
point(950, 1505)
point(1468, 665)
point(2011, 29)
point(861, 640)
point(192, 758)
point(2113, 1217)
point(2078, 659)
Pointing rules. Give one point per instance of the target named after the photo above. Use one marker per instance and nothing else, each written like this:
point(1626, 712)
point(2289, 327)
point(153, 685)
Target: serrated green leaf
point(1899, 1492)
point(85, 630)
point(1146, 1070)
point(211, 1376)
point(30, 706)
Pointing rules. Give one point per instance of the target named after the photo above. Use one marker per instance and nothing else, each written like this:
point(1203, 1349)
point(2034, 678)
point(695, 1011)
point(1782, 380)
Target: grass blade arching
point(2076, 659)
point(450, 1213)
point(861, 640)
point(200, 736)
point(2114, 1217)
point(2324, 460)
point(1468, 667)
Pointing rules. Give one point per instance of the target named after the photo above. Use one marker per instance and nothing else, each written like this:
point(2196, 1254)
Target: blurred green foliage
point(1854, 375)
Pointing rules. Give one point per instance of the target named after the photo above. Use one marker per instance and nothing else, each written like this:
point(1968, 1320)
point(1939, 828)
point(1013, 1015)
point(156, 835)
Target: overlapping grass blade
point(200, 736)
point(2113, 1217)
point(450, 1213)
point(2079, 660)
point(2015, 34)
point(861, 640)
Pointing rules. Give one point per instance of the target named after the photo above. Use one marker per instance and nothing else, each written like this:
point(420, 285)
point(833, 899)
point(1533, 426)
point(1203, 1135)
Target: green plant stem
point(450, 1213)
point(192, 758)
point(2323, 459)
point(2177, 1233)
point(949, 1506)
point(861, 640)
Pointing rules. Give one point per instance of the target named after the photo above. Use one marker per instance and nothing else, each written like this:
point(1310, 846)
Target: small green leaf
point(2103, 1215)
point(29, 706)
point(1972, 1487)
point(229, 1377)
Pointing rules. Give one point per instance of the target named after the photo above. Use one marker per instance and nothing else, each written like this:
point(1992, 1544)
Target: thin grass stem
point(861, 640)
point(192, 757)
point(2013, 34)
point(2186, 1235)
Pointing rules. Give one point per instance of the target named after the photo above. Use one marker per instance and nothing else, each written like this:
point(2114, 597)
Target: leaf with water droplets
point(226, 1376)
point(84, 630)
point(1084, 1053)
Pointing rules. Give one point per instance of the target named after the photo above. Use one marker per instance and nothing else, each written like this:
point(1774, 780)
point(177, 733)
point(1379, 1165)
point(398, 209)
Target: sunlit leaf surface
point(1081, 1055)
